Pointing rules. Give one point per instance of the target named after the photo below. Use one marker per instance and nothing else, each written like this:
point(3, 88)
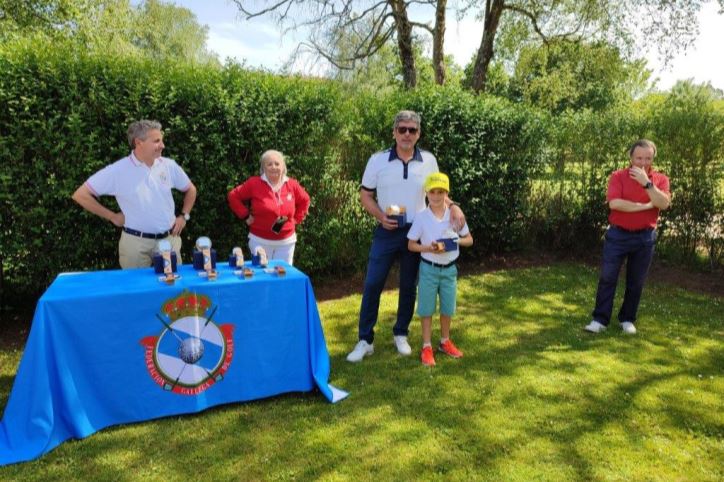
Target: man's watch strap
point(648, 185)
point(186, 216)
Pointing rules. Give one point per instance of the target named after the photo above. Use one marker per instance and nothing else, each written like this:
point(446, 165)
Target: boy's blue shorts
point(433, 282)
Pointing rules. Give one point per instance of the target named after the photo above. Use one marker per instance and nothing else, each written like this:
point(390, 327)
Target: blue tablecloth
point(114, 347)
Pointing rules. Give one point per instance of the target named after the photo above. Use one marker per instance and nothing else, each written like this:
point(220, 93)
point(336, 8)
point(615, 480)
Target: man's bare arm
point(369, 203)
point(88, 201)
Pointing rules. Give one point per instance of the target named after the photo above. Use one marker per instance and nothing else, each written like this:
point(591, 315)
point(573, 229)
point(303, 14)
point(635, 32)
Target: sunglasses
point(405, 130)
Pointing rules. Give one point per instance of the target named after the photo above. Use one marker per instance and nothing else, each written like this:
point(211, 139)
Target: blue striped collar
point(417, 156)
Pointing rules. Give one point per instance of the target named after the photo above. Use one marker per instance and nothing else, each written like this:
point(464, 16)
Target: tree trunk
point(404, 43)
point(438, 38)
point(485, 52)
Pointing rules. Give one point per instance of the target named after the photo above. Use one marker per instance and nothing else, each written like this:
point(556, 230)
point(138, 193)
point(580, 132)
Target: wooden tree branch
point(533, 20)
point(272, 8)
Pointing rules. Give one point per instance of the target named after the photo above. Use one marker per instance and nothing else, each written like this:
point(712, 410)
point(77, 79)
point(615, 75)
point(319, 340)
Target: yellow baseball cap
point(437, 180)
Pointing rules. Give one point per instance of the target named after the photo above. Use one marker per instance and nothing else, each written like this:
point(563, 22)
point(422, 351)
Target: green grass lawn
point(534, 398)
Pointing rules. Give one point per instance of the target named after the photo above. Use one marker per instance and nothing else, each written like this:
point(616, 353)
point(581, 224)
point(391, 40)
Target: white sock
point(424, 345)
point(443, 340)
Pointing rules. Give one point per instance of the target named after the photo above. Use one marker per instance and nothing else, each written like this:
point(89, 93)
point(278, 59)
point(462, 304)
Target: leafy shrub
point(567, 209)
point(522, 177)
point(690, 140)
point(66, 117)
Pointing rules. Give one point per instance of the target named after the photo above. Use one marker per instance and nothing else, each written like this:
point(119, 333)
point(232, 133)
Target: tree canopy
point(575, 75)
point(509, 26)
point(152, 28)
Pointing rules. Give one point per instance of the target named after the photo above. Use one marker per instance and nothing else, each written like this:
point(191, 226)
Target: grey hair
point(642, 143)
point(140, 129)
point(266, 155)
point(407, 116)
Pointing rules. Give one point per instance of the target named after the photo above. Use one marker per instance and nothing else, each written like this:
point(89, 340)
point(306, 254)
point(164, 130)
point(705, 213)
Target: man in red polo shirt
point(635, 196)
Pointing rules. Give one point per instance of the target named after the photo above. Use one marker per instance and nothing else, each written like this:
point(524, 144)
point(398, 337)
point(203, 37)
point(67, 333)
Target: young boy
point(438, 273)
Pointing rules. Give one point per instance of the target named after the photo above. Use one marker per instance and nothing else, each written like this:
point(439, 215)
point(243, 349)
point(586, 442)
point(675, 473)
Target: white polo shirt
point(399, 183)
point(143, 193)
point(428, 228)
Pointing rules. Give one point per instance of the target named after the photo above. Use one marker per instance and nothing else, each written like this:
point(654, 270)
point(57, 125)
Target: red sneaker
point(450, 349)
point(427, 357)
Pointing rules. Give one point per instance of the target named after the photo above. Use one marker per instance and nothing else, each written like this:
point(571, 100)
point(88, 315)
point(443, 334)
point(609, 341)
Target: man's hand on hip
point(118, 219)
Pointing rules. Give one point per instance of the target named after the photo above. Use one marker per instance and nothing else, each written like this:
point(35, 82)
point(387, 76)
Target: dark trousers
point(637, 249)
point(387, 247)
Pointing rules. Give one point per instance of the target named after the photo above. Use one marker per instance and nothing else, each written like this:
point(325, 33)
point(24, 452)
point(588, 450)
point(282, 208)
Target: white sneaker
point(628, 328)
point(361, 350)
point(595, 327)
point(403, 348)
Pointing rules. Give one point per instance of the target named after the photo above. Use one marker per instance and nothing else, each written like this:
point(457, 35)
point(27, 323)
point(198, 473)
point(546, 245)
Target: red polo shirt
point(623, 186)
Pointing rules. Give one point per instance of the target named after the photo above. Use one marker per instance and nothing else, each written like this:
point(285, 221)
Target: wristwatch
point(648, 185)
point(186, 216)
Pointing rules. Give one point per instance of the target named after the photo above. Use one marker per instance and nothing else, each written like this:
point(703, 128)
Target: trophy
point(203, 246)
point(236, 260)
point(448, 242)
point(164, 248)
point(259, 258)
point(398, 213)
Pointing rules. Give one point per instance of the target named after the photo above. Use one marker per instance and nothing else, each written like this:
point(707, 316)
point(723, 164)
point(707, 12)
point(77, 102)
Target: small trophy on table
point(164, 248)
point(260, 257)
point(236, 260)
point(203, 246)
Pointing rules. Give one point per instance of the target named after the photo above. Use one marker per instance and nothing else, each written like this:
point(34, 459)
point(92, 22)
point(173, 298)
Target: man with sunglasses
point(394, 178)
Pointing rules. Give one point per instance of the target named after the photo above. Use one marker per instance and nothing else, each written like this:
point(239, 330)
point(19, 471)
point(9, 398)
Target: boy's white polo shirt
point(428, 228)
point(399, 183)
point(143, 193)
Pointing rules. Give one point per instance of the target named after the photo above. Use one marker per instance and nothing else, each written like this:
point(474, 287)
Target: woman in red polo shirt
point(272, 204)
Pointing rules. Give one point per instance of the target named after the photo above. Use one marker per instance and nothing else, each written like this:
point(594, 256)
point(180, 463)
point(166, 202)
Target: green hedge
point(522, 177)
point(487, 146)
point(567, 209)
point(66, 117)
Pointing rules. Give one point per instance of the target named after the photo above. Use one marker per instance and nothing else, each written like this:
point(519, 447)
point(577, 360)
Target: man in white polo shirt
point(141, 183)
point(396, 177)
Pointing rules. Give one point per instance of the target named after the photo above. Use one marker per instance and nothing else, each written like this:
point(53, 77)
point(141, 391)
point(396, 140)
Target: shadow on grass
point(516, 321)
point(6, 384)
point(533, 397)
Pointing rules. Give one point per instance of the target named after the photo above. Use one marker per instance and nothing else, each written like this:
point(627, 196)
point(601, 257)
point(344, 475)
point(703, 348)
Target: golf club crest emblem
point(192, 352)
